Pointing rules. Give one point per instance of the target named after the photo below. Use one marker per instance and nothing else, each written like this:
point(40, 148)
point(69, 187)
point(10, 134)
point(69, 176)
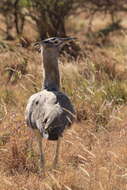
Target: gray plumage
point(50, 111)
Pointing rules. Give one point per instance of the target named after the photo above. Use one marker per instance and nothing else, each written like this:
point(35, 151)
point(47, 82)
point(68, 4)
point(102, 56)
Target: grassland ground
point(94, 151)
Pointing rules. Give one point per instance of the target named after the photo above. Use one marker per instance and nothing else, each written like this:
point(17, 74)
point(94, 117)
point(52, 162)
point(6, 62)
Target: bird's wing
point(39, 106)
point(49, 112)
point(29, 109)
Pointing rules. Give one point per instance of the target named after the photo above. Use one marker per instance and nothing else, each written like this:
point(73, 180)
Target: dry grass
point(93, 154)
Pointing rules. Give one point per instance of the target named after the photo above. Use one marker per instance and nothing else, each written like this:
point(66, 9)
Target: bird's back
point(50, 112)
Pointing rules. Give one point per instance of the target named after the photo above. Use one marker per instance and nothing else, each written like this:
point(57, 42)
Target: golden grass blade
point(55, 181)
point(67, 188)
point(84, 171)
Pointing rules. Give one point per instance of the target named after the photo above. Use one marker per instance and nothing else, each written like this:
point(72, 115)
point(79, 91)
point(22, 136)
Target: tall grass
point(93, 154)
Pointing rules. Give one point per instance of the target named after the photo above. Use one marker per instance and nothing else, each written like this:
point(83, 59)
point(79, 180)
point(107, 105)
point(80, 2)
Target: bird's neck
point(51, 77)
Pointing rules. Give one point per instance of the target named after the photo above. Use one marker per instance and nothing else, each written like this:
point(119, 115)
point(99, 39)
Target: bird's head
point(54, 43)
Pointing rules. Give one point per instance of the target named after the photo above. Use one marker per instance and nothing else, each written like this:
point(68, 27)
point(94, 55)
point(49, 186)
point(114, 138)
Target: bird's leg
point(42, 159)
point(55, 162)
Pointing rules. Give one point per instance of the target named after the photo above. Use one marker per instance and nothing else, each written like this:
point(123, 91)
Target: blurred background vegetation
point(50, 15)
point(94, 75)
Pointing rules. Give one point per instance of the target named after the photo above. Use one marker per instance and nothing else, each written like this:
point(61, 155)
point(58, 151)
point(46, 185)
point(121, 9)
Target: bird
point(50, 111)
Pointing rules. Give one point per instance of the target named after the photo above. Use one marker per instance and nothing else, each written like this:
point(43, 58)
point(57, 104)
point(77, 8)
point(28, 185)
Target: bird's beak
point(68, 39)
point(65, 41)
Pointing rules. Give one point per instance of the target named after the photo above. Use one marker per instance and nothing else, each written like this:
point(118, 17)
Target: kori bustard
point(49, 112)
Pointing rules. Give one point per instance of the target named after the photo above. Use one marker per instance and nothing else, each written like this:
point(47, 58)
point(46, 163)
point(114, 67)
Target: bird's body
point(50, 111)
